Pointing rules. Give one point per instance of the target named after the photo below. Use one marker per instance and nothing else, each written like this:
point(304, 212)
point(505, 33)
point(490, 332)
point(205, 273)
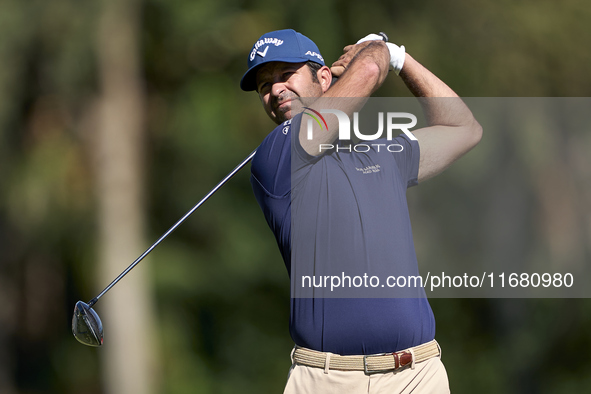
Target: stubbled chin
point(287, 111)
point(280, 118)
point(281, 115)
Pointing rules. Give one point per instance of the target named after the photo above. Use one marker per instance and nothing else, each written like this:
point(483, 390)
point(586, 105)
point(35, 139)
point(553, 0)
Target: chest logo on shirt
point(286, 126)
point(369, 169)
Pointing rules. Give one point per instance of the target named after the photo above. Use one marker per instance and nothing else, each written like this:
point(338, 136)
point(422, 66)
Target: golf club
point(86, 324)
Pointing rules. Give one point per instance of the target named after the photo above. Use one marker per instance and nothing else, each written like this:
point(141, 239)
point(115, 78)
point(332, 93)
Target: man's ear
point(325, 78)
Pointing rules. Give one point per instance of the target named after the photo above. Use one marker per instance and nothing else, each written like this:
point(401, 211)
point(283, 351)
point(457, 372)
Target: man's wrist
point(397, 53)
point(397, 56)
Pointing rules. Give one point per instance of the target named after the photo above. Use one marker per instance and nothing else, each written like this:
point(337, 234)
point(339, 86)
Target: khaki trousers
point(427, 377)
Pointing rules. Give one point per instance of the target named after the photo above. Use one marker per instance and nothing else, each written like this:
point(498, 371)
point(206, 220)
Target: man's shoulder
point(275, 150)
point(279, 139)
point(271, 165)
point(283, 129)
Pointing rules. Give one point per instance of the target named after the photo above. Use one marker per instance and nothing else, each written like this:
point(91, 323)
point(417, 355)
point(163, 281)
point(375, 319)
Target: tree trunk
point(127, 310)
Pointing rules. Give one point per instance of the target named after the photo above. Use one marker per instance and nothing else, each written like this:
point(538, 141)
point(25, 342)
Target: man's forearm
point(423, 83)
point(366, 68)
point(452, 130)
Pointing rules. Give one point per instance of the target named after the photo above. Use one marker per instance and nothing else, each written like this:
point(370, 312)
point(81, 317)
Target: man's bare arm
point(453, 131)
point(366, 67)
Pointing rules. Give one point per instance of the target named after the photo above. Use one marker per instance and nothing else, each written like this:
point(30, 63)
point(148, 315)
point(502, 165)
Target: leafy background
point(217, 289)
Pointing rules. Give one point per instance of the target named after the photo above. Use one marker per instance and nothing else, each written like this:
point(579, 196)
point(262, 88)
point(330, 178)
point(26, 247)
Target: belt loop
point(438, 347)
point(292, 353)
point(412, 353)
point(327, 363)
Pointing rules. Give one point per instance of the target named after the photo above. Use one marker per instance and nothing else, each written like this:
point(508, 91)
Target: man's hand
point(397, 54)
point(349, 52)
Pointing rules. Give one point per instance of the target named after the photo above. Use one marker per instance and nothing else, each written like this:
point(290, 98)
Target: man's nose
point(278, 88)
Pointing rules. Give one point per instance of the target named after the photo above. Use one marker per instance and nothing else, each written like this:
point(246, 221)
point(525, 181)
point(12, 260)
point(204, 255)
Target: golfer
point(331, 206)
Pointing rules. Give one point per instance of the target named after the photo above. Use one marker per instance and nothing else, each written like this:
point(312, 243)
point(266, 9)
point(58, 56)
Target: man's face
point(281, 87)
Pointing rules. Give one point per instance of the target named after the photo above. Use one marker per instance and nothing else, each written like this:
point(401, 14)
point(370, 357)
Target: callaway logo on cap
point(279, 46)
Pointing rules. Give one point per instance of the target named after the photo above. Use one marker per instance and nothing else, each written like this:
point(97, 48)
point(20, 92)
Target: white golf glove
point(397, 53)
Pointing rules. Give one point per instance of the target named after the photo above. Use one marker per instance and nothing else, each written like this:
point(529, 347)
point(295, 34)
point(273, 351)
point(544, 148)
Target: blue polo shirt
point(344, 213)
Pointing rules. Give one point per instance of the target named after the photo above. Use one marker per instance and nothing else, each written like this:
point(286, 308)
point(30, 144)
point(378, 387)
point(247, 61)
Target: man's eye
point(287, 74)
point(263, 86)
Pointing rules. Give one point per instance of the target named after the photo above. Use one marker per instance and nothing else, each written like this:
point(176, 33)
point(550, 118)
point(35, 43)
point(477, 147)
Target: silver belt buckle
point(365, 369)
point(365, 366)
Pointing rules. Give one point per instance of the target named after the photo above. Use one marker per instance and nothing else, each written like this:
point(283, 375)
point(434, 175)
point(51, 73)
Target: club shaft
point(174, 227)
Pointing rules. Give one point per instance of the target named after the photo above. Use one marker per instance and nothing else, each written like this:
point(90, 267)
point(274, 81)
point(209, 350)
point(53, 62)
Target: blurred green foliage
point(221, 289)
